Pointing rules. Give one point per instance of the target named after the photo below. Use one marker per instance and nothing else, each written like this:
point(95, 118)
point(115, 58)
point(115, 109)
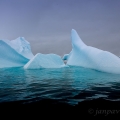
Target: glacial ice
point(65, 57)
point(90, 57)
point(22, 46)
point(10, 57)
point(45, 61)
point(17, 53)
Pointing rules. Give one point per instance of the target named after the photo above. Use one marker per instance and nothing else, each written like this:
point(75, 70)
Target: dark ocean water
point(70, 86)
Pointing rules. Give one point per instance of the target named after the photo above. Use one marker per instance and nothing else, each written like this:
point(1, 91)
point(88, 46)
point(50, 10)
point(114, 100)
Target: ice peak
point(22, 39)
point(22, 46)
point(74, 33)
point(76, 40)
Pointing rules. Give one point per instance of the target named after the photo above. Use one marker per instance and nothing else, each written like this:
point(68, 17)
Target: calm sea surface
point(70, 85)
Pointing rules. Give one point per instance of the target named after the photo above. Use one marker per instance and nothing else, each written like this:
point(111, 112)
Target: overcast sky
point(47, 24)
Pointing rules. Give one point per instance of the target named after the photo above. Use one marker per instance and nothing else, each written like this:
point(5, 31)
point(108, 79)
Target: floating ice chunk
point(90, 57)
point(9, 57)
point(65, 57)
point(22, 46)
point(45, 61)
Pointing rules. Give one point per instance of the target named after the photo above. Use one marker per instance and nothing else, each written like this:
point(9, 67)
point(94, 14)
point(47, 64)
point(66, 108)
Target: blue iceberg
point(45, 61)
point(22, 46)
point(90, 57)
point(9, 57)
point(65, 57)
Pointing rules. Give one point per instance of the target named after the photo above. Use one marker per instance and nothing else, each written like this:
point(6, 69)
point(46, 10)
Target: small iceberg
point(45, 61)
point(65, 57)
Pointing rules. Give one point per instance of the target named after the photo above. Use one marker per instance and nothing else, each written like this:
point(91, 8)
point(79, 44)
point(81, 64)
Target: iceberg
point(9, 57)
point(45, 61)
point(90, 57)
point(65, 57)
point(22, 46)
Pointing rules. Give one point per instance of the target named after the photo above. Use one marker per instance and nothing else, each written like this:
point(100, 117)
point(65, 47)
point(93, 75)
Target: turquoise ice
point(22, 46)
point(9, 57)
point(65, 57)
point(45, 61)
point(90, 57)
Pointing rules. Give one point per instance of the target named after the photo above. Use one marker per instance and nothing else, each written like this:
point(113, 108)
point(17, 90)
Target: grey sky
point(47, 24)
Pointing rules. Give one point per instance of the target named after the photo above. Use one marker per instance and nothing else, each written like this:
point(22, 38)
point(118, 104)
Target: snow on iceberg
point(22, 46)
point(90, 57)
point(45, 61)
point(9, 57)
